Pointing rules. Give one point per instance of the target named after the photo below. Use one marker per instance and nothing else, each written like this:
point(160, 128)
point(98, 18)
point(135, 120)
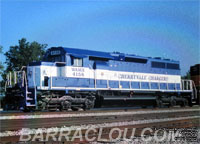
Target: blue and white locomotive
point(70, 78)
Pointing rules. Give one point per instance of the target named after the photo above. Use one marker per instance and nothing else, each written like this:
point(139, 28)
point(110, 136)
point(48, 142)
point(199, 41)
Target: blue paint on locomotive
point(119, 61)
point(109, 61)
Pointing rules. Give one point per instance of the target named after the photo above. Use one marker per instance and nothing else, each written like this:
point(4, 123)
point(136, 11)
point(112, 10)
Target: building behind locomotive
point(195, 76)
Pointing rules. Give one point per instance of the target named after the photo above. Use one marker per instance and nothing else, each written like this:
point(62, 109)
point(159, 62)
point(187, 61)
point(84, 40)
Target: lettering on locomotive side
point(132, 77)
point(76, 71)
point(142, 77)
point(159, 78)
point(83, 72)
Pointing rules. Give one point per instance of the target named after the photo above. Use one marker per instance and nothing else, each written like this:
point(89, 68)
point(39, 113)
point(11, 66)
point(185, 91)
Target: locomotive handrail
point(50, 82)
point(167, 85)
point(22, 68)
point(175, 87)
point(149, 85)
point(186, 85)
point(158, 85)
point(95, 79)
point(130, 84)
point(15, 77)
point(195, 90)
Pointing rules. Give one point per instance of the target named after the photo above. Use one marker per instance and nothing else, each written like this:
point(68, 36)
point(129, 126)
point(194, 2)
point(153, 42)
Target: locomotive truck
point(71, 78)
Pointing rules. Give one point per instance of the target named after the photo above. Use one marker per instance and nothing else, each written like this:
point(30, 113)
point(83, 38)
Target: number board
point(56, 52)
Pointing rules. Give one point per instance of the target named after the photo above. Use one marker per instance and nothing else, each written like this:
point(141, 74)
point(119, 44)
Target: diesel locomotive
point(71, 78)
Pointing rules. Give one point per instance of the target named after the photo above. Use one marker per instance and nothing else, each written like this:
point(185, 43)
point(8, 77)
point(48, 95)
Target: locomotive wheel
point(172, 103)
point(42, 105)
point(88, 104)
point(184, 103)
point(75, 108)
point(159, 103)
point(26, 109)
point(190, 103)
point(65, 105)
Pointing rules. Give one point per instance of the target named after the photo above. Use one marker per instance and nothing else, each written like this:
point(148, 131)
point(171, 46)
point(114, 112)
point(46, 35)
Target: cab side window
point(78, 62)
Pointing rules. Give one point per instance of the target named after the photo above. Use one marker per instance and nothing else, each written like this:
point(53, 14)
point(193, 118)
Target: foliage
point(1, 72)
point(24, 53)
point(1, 64)
point(20, 55)
point(187, 76)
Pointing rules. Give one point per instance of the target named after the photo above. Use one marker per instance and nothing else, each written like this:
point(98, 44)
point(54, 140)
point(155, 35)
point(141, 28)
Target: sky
point(153, 28)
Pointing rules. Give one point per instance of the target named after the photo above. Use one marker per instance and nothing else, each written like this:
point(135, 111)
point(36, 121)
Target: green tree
point(187, 76)
point(1, 82)
point(1, 63)
point(24, 53)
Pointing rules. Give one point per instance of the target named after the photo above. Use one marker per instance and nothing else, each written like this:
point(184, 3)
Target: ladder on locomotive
point(18, 79)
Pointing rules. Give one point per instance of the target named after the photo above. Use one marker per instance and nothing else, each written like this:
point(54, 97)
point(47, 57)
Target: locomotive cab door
point(79, 71)
point(61, 72)
point(101, 76)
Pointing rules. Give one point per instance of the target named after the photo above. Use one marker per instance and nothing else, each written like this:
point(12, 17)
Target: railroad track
point(98, 110)
point(11, 125)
